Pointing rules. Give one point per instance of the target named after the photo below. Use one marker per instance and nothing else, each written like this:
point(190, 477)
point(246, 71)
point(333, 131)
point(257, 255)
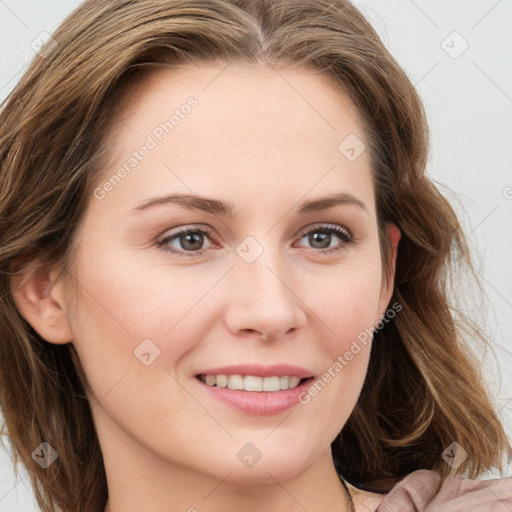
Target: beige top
point(417, 493)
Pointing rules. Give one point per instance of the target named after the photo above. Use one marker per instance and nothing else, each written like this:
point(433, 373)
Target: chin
point(273, 464)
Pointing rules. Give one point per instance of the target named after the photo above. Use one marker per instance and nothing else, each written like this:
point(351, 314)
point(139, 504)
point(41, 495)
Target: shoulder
point(423, 491)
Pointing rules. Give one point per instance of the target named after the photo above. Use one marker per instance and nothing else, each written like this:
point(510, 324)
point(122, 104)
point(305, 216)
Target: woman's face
point(268, 286)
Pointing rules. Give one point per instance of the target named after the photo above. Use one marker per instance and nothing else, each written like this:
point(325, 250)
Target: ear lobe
point(35, 295)
point(394, 236)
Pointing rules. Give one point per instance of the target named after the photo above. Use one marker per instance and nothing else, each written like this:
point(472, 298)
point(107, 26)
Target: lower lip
point(263, 403)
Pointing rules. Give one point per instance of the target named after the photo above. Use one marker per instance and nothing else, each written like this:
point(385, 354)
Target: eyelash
point(344, 234)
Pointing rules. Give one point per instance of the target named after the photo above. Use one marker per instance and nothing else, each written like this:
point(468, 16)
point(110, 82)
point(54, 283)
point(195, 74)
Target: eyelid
point(325, 225)
point(199, 228)
point(336, 229)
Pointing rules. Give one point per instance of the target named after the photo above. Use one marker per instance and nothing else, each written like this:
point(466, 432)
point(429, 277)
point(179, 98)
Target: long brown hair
point(424, 388)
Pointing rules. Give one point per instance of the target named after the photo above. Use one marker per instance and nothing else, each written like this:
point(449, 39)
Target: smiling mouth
point(252, 382)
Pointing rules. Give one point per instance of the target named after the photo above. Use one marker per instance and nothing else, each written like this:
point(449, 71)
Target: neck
point(140, 480)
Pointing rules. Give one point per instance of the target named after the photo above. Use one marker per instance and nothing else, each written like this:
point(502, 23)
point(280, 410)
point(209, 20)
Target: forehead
point(252, 125)
point(245, 96)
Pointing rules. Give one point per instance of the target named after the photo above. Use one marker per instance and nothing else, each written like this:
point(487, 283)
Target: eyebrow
point(226, 209)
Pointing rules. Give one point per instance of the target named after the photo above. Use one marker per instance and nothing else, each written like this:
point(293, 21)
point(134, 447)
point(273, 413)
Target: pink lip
point(276, 370)
point(259, 402)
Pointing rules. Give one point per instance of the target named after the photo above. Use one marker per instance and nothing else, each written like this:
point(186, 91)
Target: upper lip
point(276, 370)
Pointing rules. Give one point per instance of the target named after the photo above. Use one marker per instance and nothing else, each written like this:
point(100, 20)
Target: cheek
point(122, 304)
point(120, 336)
point(126, 312)
point(346, 311)
point(348, 301)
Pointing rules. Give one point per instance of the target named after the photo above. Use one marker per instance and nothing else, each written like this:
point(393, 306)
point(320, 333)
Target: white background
point(469, 104)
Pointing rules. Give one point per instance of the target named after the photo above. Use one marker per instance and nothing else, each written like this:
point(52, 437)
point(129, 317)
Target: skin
point(264, 141)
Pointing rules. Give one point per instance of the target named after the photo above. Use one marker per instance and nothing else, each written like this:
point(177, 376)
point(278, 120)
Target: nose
point(264, 298)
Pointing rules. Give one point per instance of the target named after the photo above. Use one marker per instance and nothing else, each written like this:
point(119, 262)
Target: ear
point(40, 301)
point(394, 236)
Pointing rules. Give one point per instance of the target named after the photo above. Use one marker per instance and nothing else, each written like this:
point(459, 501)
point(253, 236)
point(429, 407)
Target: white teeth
point(235, 382)
point(251, 382)
point(211, 380)
point(271, 384)
point(222, 381)
point(293, 382)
